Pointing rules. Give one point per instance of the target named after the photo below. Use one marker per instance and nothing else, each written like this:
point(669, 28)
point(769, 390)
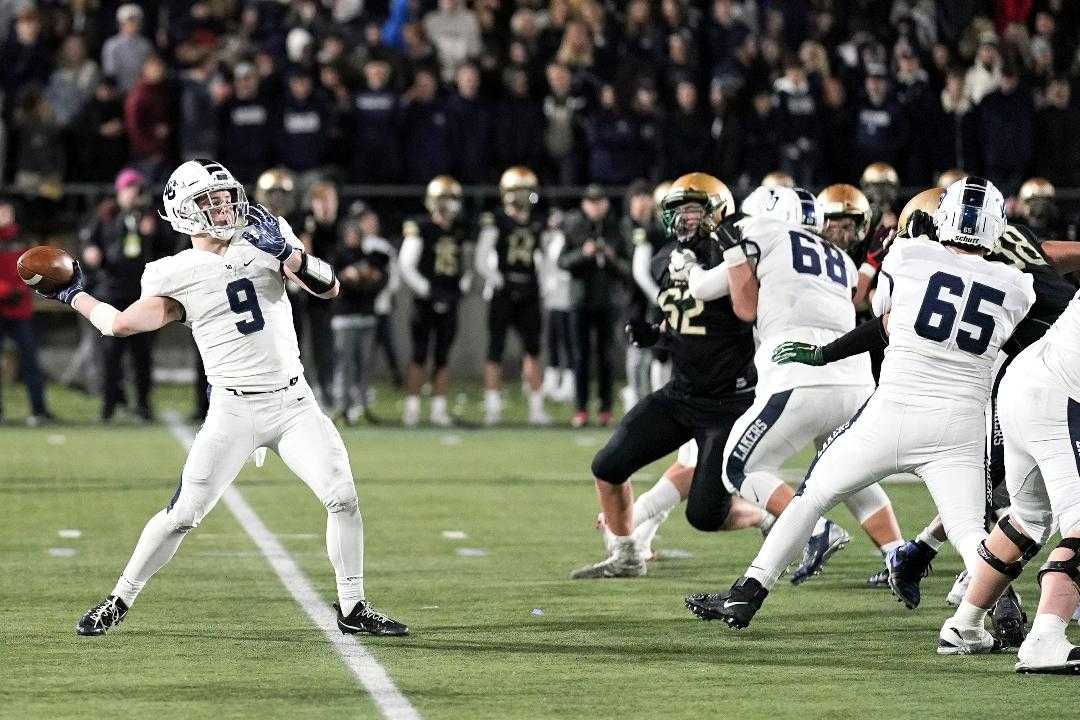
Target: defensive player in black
point(433, 265)
point(712, 380)
point(508, 254)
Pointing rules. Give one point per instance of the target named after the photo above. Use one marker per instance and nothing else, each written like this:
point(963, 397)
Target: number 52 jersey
point(238, 311)
point(949, 315)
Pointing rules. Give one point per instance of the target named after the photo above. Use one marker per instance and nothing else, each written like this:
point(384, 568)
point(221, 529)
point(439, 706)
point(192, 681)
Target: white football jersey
point(949, 314)
point(238, 311)
point(1058, 351)
point(806, 287)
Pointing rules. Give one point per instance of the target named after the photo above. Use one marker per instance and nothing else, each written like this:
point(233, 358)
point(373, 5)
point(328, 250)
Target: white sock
point(660, 498)
point(767, 522)
point(156, 546)
point(492, 399)
point(345, 546)
point(438, 405)
point(787, 539)
point(969, 616)
point(1048, 624)
point(536, 403)
point(928, 537)
point(412, 404)
point(890, 546)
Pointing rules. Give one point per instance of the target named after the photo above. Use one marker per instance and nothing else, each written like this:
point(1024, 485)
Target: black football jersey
point(515, 247)
point(1019, 247)
point(442, 260)
point(712, 350)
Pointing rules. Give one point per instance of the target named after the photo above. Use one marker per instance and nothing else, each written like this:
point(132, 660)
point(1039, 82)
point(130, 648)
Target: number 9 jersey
point(949, 315)
point(238, 311)
point(805, 293)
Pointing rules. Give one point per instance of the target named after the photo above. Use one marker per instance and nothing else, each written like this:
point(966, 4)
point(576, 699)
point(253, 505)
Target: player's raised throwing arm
point(145, 315)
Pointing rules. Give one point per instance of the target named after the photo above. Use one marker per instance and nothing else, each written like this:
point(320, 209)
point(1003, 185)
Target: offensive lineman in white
point(229, 288)
point(947, 312)
point(801, 288)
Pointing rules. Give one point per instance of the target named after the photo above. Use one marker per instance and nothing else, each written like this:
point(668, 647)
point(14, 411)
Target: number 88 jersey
point(238, 311)
point(805, 293)
point(949, 315)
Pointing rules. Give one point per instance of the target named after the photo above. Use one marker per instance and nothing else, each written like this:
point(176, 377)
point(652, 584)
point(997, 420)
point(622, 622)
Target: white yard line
point(360, 662)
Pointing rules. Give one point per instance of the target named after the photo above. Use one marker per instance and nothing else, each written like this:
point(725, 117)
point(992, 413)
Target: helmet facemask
point(211, 213)
point(684, 220)
point(446, 206)
point(520, 199)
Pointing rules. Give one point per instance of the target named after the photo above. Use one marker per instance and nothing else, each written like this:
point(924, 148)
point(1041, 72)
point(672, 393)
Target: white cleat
point(956, 594)
point(441, 419)
point(1046, 653)
point(969, 641)
point(625, 562)
point(539, 419)
point(411, 417)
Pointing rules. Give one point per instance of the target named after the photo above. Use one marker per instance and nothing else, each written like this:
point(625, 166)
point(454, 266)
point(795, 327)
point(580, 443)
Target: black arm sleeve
point(864, 338)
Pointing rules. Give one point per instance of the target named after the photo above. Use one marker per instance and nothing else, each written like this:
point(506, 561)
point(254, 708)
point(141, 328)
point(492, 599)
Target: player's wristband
point(735, 256)
point(316, 273)
point(868, 269)
point(864, 338)
point(103, 316)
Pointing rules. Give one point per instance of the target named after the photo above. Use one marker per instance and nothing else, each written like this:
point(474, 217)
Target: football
point(46, 268)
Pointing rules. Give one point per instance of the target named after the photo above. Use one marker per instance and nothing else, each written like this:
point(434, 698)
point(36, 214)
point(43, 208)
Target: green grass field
point(216, 635)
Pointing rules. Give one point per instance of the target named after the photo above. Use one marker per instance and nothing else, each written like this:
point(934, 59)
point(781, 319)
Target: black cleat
point(1008, 620)
point(365, 619)
point(103, 617)
point(736, 607)
point(908, 564)
point(879, 580)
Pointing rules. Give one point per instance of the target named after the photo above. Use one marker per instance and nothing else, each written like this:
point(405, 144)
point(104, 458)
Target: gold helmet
point(843, 200)
point(778, 178)
point(881, 184)
point(443, 196)
point(879, 172)
point(519, 187)
point(1036, 187)
point(927, 201)
point(948, 177)
point(276, 189)
point(701, 188)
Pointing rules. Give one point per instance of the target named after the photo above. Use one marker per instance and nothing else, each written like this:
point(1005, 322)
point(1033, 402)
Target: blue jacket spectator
point(303, 131)
point(1005, 127)
point(426, 133)
point(376, 144)
point(247, 128)
point(879, 127)
point(472, 123)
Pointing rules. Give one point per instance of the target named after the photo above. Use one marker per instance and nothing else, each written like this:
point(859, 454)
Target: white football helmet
point(971, 214)
point(794, 206)
point(200, 180)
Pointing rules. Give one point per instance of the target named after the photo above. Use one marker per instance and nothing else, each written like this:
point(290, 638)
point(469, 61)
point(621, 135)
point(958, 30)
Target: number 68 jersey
point(805, 293)
point(949, 315)
point(238, 311)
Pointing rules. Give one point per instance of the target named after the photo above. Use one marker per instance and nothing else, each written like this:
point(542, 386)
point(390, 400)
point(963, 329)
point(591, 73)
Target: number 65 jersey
point(949, 315)
point(805, 293)
point(238, 311)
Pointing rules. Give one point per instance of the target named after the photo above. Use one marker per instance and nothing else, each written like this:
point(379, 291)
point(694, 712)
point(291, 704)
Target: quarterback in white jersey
point(229, 288)
point(947, 312)
point(1039, 406)
point(804, 288)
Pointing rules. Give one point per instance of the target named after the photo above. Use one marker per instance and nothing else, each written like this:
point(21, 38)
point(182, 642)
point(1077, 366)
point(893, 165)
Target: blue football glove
point(264, 232)
point(67, 293)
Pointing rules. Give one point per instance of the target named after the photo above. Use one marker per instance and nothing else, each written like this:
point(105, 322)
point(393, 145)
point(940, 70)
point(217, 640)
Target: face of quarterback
point(840, 232)
point(688, 218)
point(218, 207)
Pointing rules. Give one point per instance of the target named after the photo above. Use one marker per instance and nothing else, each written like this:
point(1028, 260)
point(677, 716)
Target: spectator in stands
point(454, 31)
point(126, 235)
point(125, 53)
point(202, 93)
point(72, 83)
point(761, 138)
point(1005, 131)
point(610, 138)
point(247, 127)
point(425, 130)
point(985, 75)
point(562, 126)
point(598, 259)
point(363, 269)
point(24, 57)
point(16, 310)
point(798, 116)
point(148, 115)
point(39, 153)
point(1057, 154)
point(688, 143)
point(101, 141)
point(919, 108)
point(303, 127)
point(473, 126)
point(725, 132)
point(519, 124)
point(880, 127)
point(319, 230)
point(376, 148)
point(956, 133)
